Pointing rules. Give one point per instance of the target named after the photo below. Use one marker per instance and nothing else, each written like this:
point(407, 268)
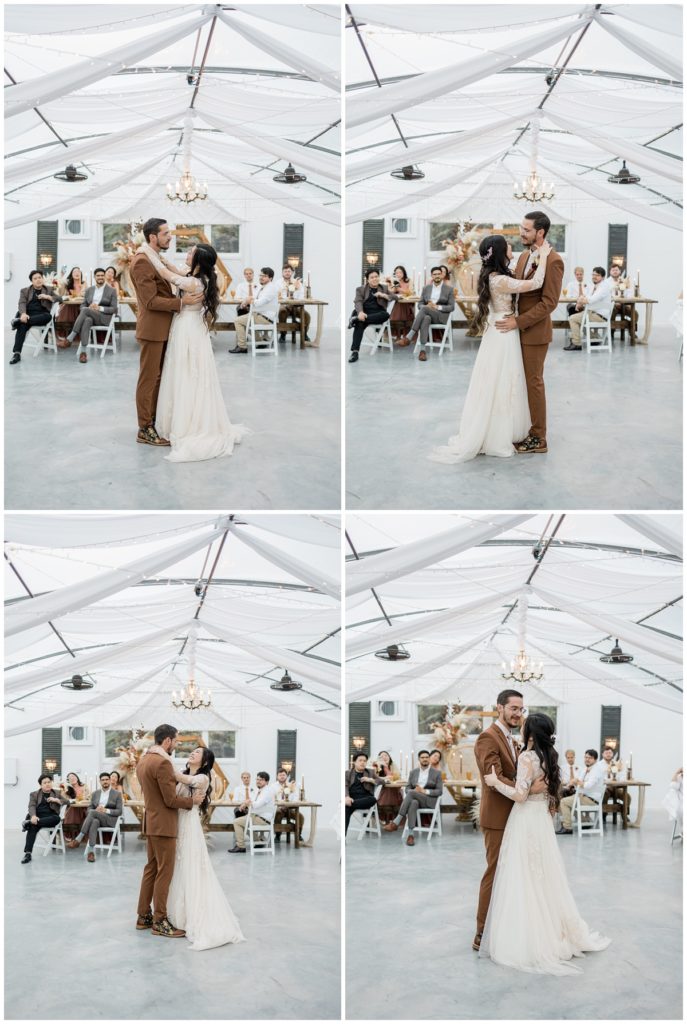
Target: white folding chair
point(256, 829)
point(677, 831)
point(53, 839)
point(594, 825)
point(597, 331)
point(270, 334)
point(108, 342)
point(378, 336)
point(367, 824)
point(115, 841)
point(41, 338)
point(446, 340)
point(434, 826)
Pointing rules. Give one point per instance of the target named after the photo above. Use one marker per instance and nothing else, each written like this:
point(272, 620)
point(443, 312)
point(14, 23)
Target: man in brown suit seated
point(533, 320)
point(160, 823)
point(496, 748)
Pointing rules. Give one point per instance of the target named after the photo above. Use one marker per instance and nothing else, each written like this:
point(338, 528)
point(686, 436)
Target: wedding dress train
point(533, 923)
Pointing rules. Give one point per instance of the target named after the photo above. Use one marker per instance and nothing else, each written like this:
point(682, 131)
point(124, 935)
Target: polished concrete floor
point(410, 920)
point(71, 924)
point(614, 432)
point(70, 434)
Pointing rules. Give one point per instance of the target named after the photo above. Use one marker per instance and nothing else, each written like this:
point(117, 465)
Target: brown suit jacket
point(54, 799)
point(491, 749)
point(25, 297)
point(369, 786)
point(362, 292)
point(156, 304)
point(535, 308)
point(156, 775)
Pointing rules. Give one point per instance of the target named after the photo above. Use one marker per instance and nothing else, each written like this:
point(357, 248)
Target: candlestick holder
point(629, 772)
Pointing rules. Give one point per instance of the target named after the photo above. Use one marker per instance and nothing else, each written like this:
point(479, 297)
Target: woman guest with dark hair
point(370, 307)
point(389, 799)
point(402, 313)
point(111, 279)
point(74, 817)
point(74, 288)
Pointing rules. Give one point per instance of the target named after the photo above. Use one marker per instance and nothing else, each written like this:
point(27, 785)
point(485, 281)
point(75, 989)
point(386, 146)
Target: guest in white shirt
point(286, 792)
point(575, 289)
point(569, 772)
point(614, 796)
point(264, 306)
point(598, 305)
point(106, 807)
point(261, 811)
point(292, 287)
point(424, 788)
point(243, 795)
point(98, 307)
point(590, 789)
point(621, 287)
point(244, 289)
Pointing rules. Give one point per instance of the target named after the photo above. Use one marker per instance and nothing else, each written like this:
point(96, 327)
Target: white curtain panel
point(320, 672)
point(35, 91)
point(435, 19)
point(451, 213)
point(311, 159)
point(324, 19)
point(299, 60)
point(86, 19)
point(75, 201)
point(310, 574)
point(34, 611)
point(668, 167)
point(310, 529)
point(641, 47)
point(618, 198)
point(281, 707)
point(657, 530)
point(56, 530)
point(369, 104)
point(638, 636)
point(646, 694)
point(407, 558)
point(156, 189)
point(659, 17)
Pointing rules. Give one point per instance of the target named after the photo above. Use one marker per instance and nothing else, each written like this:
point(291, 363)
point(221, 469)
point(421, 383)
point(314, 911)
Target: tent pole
point(372, 69)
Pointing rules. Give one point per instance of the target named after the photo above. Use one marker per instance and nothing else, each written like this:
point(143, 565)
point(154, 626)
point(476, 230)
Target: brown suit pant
point(157, 876)
point(493, 837)
point(149, 374)
point(533, 357)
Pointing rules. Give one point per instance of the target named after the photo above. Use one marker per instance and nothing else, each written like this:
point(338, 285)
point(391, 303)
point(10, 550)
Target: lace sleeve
point(503, 284)
point(523, 780)
point(174, 275)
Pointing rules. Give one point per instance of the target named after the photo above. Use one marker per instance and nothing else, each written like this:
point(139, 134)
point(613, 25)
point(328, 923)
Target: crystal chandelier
point(191, 697)
point(187, 189)
point(522, 670)
point(533, 188)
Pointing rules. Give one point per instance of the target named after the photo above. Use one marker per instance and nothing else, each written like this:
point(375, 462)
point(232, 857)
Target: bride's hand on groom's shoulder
point(544, 249)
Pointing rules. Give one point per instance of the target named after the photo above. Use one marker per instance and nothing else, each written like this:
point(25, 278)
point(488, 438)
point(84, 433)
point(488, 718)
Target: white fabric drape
point(56, 530)
point(309, 529)
point(621, 148)
point(299, 60)
point(622, 201)
point(324, 19)
point(657, 530)
point(35, 91)
point(640, 46)
point(309, 574)
point(86, 19)
point(659, 17)
point(630, 632)
point(434, 19)
point(34, 611)
point(75, 201)
point(367, 105)
point(407, 558)
point(450, 214)
point(319, 671)
point(281, 707)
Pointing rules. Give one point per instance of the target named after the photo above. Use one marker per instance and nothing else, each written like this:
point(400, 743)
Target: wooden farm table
point(228, 325)
point(463, 800)
point(625, 812)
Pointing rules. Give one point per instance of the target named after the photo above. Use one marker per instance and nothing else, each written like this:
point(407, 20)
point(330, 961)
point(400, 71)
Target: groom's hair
point(540, 220)
point(152, 226)
point(506, 695)
point(164, 732)
point(599, 270)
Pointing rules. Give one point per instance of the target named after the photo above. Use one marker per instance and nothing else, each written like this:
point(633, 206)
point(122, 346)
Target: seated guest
point(360, 786)
point(621, 287)
point(263, 307)
point(116, 781)
point(369, 307)
point(243, 795)
point(106, 807)
point(576, 288)
point(424, 788)
point(74, 816)
point(292, 313)
point(111, 279)
point(614, 797)
point(44, 812)
point(286, 792)
point(35, 306)
point(74, 288)
point(435, 760)
point(447, 274)
point(402, 313)
point(590, 788)
point(435, 307)
point(261, 810)
point(389, 800)
point(244, 289)
point(569, 772)
point(673, 801)
point(97, 309)
point(597, 304)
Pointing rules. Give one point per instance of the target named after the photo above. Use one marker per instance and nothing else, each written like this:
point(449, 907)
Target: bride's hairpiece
point(487, 256)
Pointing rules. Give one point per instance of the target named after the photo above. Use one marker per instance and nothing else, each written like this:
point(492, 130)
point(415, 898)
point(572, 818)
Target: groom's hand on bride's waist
point(192, 300)
point(509, 323)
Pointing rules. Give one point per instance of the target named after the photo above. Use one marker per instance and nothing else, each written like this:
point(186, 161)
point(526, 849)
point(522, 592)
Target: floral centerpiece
point(129, 756)
point(125, 251)
point(448, 733)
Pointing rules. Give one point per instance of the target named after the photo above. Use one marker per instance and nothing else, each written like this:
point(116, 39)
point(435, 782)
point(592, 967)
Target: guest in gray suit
point(435, 307)
point(97, 309)
point(424, 788)
point(106, 807)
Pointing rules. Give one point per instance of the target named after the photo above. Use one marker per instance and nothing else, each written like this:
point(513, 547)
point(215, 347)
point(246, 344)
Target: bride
point(496, 413)
point(190, 406)
point(533, 923)
point(196, 900)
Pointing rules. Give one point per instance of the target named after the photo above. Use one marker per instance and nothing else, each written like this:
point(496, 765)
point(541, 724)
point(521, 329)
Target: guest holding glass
point(74, 817)
point(74, 288)
point(370, 307)
point(389, 799)
point(111, 279)
point(575, 289)
point(402, 313)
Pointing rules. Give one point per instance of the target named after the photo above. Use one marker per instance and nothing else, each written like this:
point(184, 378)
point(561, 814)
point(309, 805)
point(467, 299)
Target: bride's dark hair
point(205, 258)
point(493, 250)
point(540, 729)
point(204, 768)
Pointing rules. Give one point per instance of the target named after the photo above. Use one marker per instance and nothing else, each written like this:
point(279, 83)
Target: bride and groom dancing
point(178, 396)
point(526, 916)
point(178, 879)
point(505, 407)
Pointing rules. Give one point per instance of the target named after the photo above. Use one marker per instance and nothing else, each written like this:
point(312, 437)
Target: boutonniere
point(535, 262)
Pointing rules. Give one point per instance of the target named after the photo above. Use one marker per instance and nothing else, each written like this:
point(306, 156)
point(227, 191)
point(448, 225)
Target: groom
point(496, 748)
point(160, 822)
point(533, 320)
point(156, 306)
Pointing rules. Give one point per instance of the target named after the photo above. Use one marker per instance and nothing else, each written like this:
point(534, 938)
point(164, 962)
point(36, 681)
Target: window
point(225, 237)
point(293, 247)
point(551, 711)
point(428, 713)
point(77, 734)
point(440, 231)
point(196, 232)
point(555, 237)
point(115, 738)
point(222, 744)
point(114, 233)
point(387, 711)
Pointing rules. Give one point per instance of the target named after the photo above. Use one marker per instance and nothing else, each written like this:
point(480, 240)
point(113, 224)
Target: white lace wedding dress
point(196, 901)
point(533, 923)
point(496, 412)
point(190, 407)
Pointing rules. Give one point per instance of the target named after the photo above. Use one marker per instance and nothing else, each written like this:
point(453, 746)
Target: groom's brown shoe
point(146, 921)
point(165, 927)
point(149, 435)
point(531, 444)
point(477, 941)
